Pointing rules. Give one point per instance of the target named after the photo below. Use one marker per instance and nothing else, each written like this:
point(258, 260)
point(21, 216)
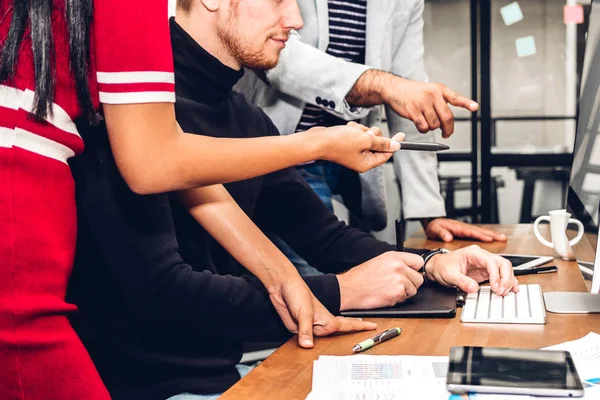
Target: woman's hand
point(214, 208)
point(355, 146)
point(154, 155)
point(303, 314)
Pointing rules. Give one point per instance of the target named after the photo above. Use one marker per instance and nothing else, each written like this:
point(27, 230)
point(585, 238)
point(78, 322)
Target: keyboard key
point(537, 301)
point(483, 306)
point(510, 308)
point(468, 310)
point(523, 303)
point(525, 307)
point(496, 307)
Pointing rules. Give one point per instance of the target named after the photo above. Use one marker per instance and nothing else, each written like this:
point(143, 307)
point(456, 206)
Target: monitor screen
point(583, 197)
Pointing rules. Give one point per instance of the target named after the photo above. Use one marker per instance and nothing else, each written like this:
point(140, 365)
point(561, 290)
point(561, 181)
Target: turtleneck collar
point(199, 76)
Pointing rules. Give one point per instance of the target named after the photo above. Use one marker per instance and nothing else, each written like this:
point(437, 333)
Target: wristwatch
point(427, 256)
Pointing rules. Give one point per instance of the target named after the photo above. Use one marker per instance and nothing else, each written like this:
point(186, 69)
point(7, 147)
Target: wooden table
point(287, 373)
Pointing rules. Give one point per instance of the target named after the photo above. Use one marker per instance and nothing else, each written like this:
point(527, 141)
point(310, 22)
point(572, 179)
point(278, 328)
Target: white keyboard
point(525, 307)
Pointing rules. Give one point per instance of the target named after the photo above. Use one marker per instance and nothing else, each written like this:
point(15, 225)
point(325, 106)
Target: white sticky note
point(511, 14)
point(525, 46)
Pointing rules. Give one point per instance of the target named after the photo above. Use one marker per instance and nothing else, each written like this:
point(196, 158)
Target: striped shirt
point(347, 38)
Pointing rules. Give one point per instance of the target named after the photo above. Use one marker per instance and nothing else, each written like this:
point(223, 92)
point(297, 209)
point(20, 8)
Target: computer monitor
point(583, 197)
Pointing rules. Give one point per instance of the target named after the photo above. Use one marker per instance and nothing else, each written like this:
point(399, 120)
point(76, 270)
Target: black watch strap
point(427, 256)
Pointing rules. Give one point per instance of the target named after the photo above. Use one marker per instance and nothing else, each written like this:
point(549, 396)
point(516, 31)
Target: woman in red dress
point(66, 59)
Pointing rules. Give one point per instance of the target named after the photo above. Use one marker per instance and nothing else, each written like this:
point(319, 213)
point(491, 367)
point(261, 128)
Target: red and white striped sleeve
point(134, 61)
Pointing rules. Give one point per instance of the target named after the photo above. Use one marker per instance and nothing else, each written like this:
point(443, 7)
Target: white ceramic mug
point(559, 219)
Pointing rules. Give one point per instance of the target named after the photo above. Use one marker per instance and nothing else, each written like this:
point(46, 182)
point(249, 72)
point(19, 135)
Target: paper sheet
point(379, 377)
point(362, 377)
point(586, 355)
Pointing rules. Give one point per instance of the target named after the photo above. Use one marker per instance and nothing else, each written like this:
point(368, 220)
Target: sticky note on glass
point(511, 14)
point(525, 46)
point(573, 14)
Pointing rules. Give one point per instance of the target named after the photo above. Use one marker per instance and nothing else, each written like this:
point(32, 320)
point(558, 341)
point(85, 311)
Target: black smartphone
point(520, 261)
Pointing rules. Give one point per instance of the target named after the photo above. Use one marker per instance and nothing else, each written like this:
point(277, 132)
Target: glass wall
point(447, 39)
point(533, 75)
point(536, 51)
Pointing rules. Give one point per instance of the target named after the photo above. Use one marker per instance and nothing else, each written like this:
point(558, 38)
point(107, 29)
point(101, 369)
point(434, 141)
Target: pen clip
point(377, 338)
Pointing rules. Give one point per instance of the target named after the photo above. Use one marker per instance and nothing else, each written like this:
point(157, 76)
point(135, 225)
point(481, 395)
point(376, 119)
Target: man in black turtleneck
point(156, 326)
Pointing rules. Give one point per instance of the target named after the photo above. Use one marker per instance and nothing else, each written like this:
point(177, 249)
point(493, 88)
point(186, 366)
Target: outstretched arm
point(154, 155)
point(301, 312)
point(134, 72)
point(350, 86)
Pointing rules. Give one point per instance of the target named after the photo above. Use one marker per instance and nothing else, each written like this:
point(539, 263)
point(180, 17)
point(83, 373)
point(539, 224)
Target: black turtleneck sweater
point(157, 312)
point(281, 202)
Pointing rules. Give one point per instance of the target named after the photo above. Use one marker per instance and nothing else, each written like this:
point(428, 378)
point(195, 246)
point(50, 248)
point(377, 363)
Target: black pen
point(423, 146)
point(535, 270)
point(400, 227)
point(530, 271)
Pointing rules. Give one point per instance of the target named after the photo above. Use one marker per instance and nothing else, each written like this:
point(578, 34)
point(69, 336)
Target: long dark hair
point(38, 13)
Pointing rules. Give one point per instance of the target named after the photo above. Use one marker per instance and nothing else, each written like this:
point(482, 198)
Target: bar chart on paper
point(379, 377)
point(362, 372)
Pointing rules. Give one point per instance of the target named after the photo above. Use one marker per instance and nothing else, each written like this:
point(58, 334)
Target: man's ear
point(211, 5)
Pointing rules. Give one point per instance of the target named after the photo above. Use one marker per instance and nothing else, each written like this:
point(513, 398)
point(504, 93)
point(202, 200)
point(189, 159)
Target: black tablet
point(513, 371)
point(431, 301)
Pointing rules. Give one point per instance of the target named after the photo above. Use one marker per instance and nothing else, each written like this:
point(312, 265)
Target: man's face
point(255, 31)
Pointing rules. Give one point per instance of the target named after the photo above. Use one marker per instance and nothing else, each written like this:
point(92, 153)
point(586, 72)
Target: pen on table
point(536, 270)
point(382, 337)
point(531, 271)
point(400, 227)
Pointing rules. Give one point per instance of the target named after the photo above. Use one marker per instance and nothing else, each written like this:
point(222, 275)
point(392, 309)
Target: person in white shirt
point(351, 58)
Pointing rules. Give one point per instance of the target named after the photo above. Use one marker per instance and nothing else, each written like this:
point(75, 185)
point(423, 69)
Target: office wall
point(521, 86)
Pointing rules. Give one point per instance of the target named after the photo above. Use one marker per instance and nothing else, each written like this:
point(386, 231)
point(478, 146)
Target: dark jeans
point(322, 176)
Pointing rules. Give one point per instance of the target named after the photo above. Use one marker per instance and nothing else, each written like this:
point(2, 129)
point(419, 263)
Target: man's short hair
point(184, 5)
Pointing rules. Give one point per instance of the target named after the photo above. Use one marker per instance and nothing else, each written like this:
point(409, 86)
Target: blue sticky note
point(511, 14)
point(525, 46)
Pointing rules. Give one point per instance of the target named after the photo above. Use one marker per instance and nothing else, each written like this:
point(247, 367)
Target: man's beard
point(245, 55)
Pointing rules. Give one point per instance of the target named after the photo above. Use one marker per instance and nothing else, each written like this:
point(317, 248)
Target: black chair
point(529, 176)
point(451, 184)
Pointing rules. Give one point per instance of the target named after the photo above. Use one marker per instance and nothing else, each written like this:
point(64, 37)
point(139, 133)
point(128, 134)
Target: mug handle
point(579, 232)
point(538, 234)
